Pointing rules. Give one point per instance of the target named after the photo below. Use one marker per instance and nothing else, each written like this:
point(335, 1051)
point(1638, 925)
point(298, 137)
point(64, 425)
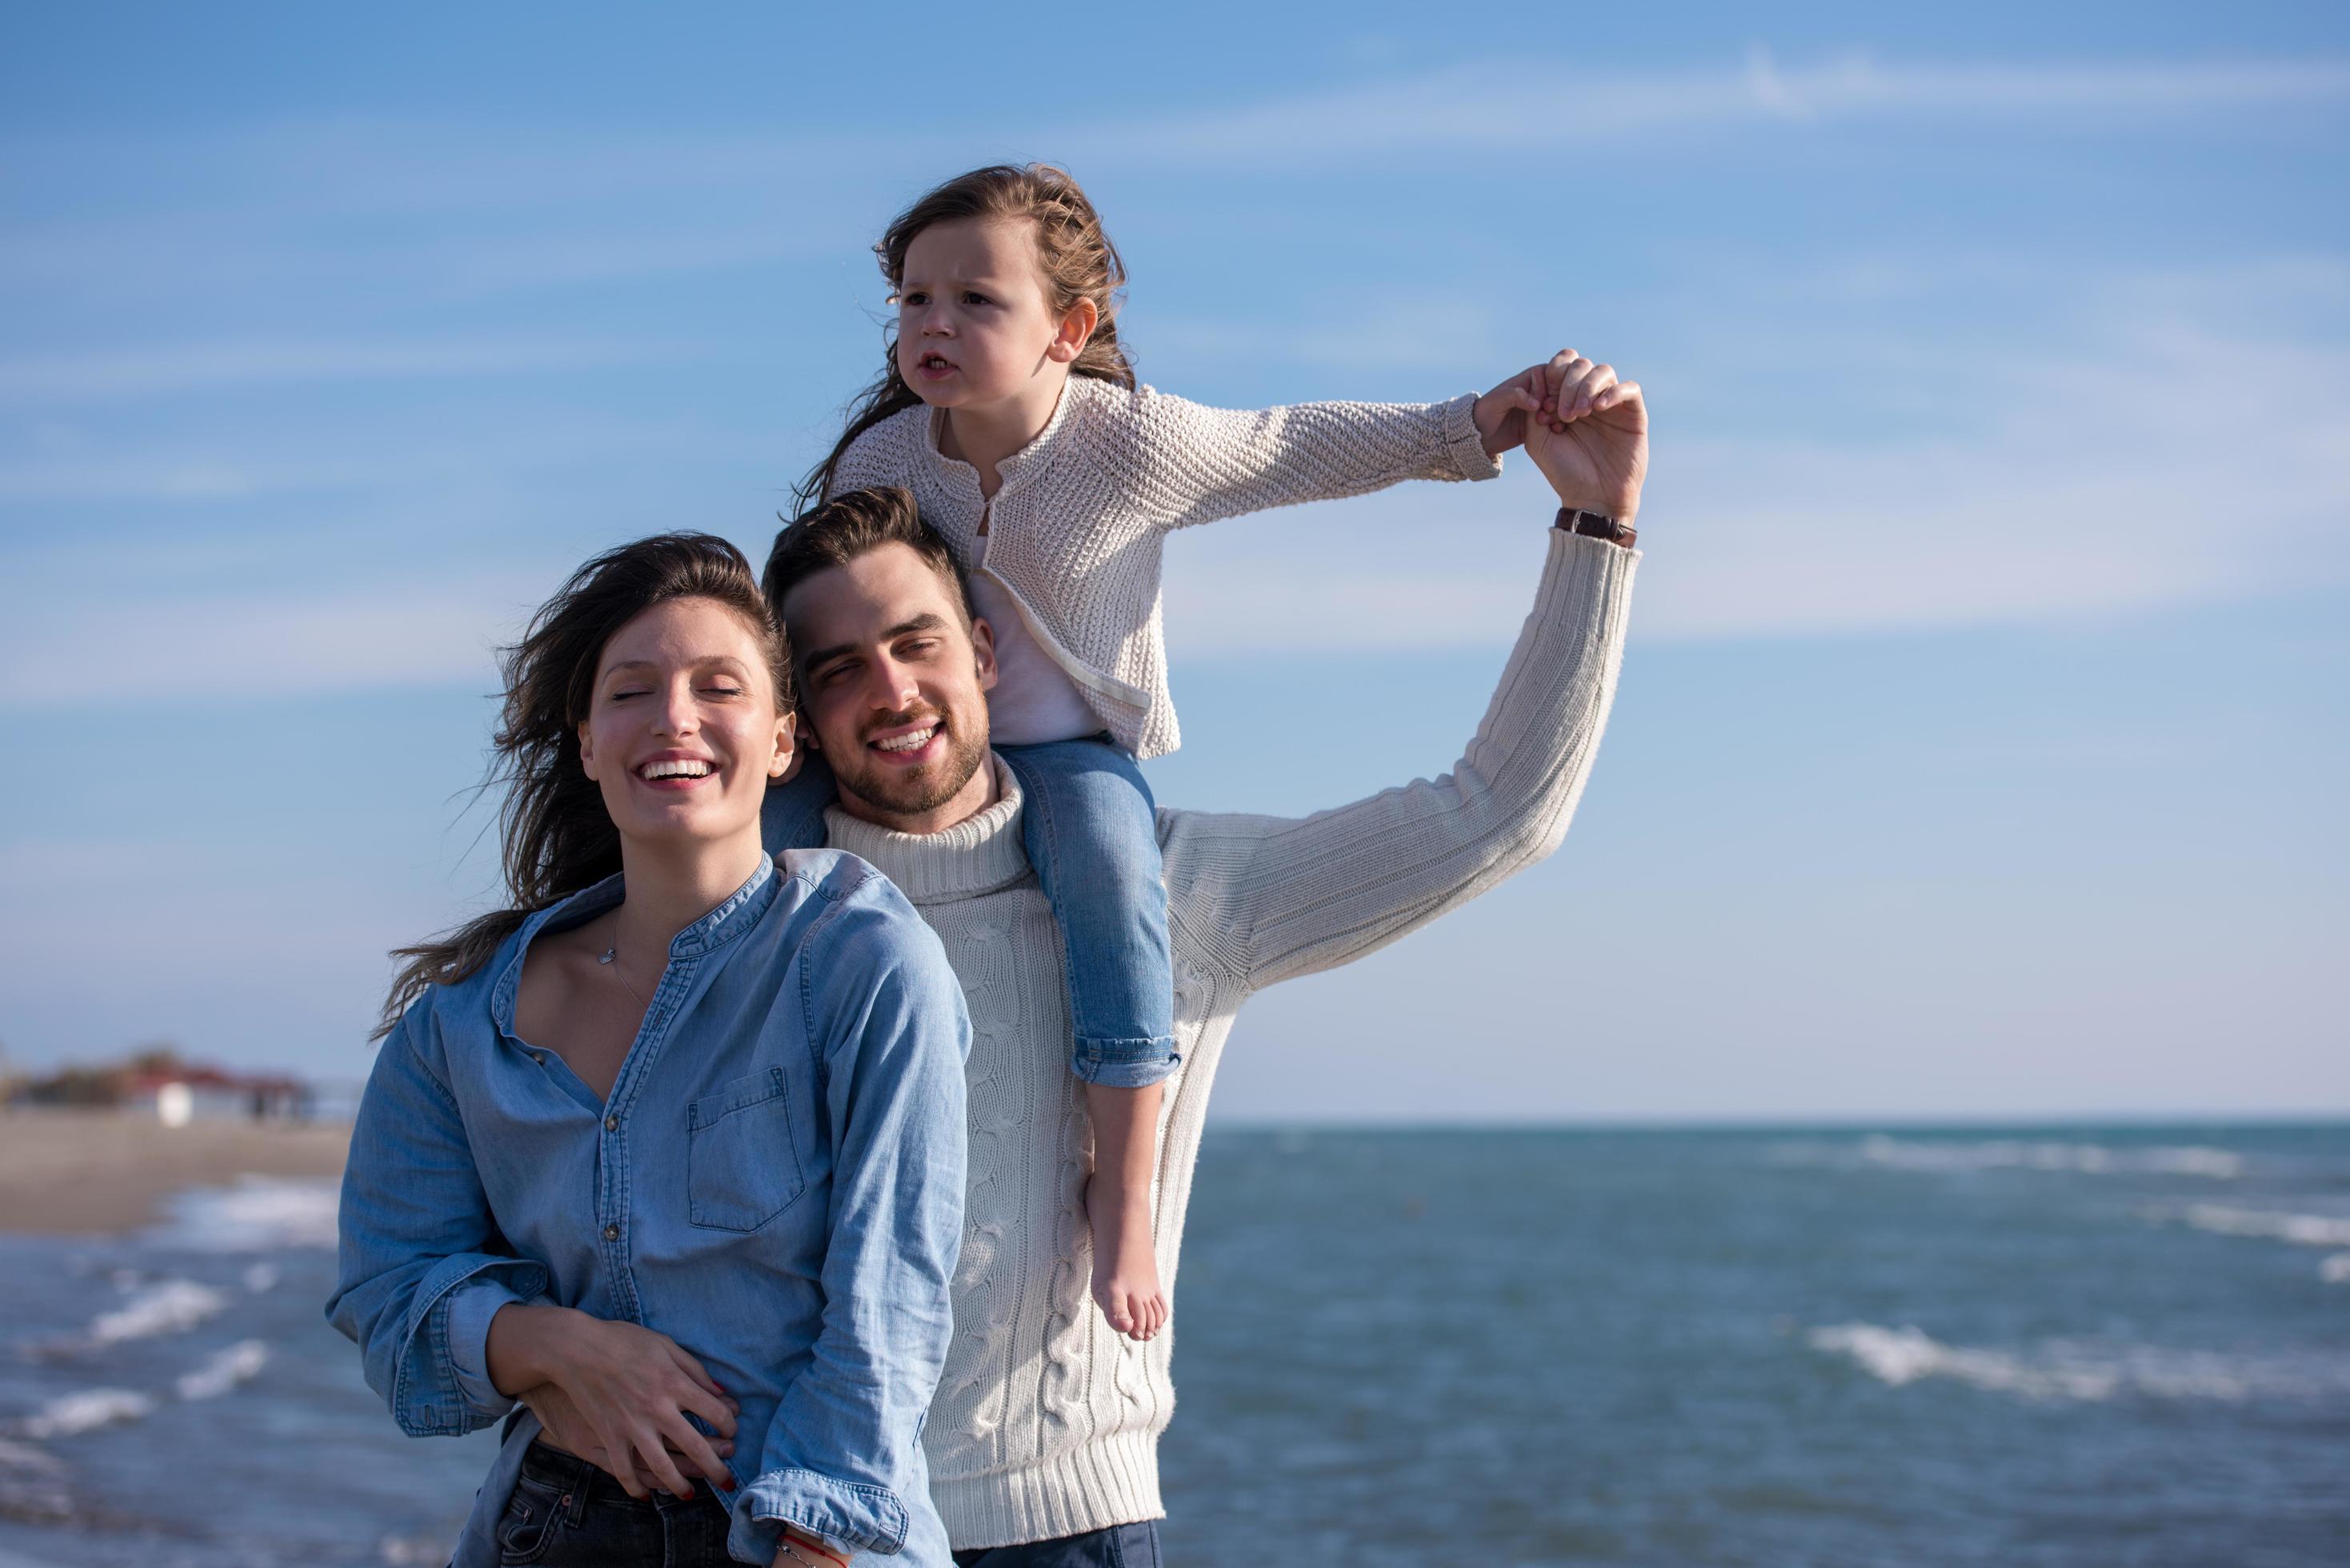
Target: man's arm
point(1273, 898)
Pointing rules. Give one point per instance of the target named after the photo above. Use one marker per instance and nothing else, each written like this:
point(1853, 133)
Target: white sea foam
point(2301, 1229)
point(1949, 1156)
point(2067, 1369)
point(86, 1411)
point(24, 1457)
point(239, 1363)
point(259, 1214)
point(2335, 1270)
point(172, 1307)
point(261, 1278)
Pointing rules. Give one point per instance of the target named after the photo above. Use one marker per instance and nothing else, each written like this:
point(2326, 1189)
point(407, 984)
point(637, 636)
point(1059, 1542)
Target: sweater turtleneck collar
point(980, 854)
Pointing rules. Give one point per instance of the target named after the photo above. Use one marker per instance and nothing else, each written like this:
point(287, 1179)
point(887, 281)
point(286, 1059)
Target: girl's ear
point(587, 753)
point(1077, 330)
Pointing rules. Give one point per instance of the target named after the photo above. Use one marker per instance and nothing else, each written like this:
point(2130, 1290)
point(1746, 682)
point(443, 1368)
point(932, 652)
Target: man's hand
point(1591, 438)
point(630, 1388)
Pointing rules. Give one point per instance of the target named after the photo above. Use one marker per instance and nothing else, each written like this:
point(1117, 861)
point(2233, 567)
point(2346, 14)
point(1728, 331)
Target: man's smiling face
point(893, 683)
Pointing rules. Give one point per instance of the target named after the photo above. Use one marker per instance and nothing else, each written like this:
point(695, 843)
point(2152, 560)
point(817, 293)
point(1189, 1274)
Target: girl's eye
point(723, 690)
point(916, 299)
point(974, 298)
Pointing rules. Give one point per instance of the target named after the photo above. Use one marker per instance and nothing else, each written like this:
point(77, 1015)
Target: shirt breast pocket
point(742, 1164)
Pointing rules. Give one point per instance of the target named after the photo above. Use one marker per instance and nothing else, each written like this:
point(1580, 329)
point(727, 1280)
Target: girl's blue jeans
point(1091, 831)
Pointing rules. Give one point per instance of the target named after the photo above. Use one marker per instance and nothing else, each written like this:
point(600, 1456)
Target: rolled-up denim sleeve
point(419, 1277)
point(843, 1457)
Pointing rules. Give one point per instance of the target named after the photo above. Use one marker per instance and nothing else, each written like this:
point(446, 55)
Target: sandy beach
point(67, 1172)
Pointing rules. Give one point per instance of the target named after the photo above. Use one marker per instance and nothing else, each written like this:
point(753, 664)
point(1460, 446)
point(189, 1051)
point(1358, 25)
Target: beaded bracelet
point(792, 1548)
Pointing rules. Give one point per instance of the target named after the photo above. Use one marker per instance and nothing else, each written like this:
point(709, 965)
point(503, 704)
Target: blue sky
point(1980, 745)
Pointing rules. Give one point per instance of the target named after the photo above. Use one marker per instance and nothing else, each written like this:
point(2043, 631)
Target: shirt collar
point(736, 913)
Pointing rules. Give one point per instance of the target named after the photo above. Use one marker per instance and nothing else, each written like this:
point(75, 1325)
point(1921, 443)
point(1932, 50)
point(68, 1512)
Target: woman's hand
point(628, 1386)
point(564, 1428)
point(1591, 438)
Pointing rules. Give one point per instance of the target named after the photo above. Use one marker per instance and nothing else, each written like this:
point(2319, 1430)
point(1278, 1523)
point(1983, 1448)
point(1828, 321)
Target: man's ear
point(983, 648)
point(1075, 331)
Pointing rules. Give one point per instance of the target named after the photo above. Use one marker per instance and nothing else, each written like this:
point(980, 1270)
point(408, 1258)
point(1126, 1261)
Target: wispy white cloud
point(2141, 468)
point(149, 371)
point(261, 643)
point(1461, 109)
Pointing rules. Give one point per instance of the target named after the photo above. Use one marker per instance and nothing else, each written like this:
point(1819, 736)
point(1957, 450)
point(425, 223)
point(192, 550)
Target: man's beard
point(900, 792)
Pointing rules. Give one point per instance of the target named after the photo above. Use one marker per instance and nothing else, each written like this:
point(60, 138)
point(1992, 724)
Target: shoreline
point(76, 1173)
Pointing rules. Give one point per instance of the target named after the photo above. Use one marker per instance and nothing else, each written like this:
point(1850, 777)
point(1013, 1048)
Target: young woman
point(672, 1150)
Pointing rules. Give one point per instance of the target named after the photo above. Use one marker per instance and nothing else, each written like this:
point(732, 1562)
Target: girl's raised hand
point(1500, 414)
point(1592, 442)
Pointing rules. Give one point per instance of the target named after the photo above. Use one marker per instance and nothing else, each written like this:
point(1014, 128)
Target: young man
point(1043, 1437)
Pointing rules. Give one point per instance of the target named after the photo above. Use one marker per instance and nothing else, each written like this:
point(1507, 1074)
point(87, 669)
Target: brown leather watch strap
point(1593, 526)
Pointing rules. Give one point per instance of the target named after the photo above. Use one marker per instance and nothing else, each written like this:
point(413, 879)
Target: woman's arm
point(417, 1241)
point(843, 1457)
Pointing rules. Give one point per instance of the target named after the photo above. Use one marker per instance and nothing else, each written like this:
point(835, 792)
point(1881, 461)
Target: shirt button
point(611, 1124)
point(539, 1057)
point(611, 1232)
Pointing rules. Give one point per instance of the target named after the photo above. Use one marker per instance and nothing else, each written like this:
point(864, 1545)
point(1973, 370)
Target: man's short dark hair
point(852, 524)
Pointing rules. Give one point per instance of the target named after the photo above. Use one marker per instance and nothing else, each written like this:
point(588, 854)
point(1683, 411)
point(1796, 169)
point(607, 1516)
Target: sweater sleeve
point(1270, 897)
point(1189, 464)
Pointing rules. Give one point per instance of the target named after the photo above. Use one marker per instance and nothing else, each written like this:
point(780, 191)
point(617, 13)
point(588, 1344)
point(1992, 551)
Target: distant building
point(173, 1092)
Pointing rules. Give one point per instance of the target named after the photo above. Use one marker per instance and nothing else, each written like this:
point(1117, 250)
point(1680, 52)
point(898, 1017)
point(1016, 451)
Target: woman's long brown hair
point(1072, 251)
point(555, 836)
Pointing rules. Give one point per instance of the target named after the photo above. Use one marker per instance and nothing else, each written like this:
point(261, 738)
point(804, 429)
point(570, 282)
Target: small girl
point(1008, 409)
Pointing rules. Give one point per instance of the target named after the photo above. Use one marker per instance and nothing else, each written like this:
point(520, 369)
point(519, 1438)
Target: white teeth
point(678, 769)
point(908, 743)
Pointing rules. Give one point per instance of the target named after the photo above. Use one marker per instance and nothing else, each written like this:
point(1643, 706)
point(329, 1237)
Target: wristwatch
point(1593, 526)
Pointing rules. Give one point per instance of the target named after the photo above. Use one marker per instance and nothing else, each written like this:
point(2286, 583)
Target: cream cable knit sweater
point(1075, 530)
point(1046, 1423)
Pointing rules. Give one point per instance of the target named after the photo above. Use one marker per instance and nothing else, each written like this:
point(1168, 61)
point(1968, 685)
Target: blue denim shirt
point(775, 1182)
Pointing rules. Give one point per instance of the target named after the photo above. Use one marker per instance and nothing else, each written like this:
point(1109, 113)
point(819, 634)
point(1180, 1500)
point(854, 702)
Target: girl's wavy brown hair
point(555, 836)
point(1072, 251)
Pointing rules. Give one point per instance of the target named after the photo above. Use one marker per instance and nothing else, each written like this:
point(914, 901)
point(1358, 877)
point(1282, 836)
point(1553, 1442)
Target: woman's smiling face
point(682, 731)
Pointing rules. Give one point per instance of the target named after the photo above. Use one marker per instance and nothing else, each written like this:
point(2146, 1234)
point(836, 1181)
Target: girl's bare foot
point(1126, 1263)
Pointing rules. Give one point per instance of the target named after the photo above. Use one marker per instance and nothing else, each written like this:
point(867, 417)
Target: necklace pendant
point(608, 955)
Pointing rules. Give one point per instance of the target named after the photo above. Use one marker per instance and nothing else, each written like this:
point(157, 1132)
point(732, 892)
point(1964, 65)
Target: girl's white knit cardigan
point(1074, 532)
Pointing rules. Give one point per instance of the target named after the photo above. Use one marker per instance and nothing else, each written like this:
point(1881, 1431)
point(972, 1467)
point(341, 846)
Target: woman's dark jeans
point(567, 1513)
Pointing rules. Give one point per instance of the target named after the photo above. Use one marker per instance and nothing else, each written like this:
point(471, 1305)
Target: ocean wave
point(172, 1307)
point(2301, 1229)
point(2079, 1370)
point(1949, 1155)
point(259, 1214)
point(86, 1410)
point(239, 1363)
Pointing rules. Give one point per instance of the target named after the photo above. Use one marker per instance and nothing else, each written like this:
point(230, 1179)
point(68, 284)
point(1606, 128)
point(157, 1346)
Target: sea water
point(2088, 1346)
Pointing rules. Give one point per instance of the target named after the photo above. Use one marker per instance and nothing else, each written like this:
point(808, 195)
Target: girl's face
point(976, 324)
point(681, 731)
